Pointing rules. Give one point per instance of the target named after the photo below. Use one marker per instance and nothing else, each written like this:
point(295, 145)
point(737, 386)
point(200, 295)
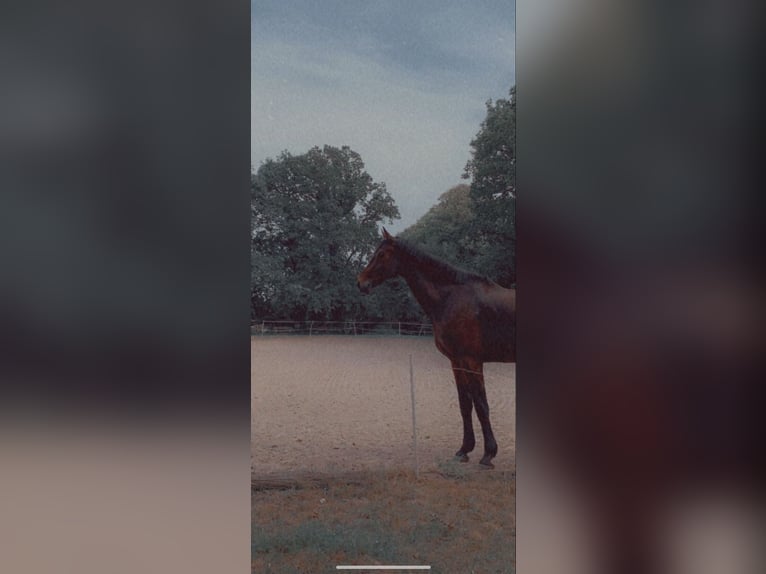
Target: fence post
point(400, 328)
point(263, 328)
point(414, 424)
point(311, 327)
point(354, 323)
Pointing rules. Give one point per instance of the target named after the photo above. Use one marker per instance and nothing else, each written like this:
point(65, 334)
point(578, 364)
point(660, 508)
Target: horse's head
point(383, 265)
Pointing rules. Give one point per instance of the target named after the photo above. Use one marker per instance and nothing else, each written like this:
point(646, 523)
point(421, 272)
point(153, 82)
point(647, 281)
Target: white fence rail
point(399, 328)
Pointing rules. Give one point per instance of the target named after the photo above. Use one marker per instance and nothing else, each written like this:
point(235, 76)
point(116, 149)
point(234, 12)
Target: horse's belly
point(499, 343)
point(500, 354)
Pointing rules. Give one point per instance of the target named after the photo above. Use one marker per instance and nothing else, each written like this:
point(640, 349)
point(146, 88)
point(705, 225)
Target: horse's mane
point(440, 269)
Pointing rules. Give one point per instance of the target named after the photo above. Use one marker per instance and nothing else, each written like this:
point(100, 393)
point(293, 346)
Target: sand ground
point(336, 404)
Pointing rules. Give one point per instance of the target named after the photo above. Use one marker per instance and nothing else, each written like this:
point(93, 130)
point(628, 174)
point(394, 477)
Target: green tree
point(492, 170)
point(446, 230)
point(314, 222)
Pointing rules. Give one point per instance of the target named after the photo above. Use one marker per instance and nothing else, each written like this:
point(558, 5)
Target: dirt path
point(337, 404)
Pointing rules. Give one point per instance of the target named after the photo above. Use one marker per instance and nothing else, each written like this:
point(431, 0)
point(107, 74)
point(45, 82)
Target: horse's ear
point(386, 235)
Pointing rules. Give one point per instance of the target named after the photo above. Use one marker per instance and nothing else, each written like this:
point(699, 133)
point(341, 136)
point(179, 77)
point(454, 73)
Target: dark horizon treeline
point(316, 218)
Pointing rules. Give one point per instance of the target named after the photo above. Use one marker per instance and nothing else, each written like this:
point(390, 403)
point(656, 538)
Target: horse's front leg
point(466, 408)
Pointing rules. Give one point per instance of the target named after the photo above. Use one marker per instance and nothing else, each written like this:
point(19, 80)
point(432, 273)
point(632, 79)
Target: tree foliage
point(492, 170)
point(314, 222)
point(446, 229)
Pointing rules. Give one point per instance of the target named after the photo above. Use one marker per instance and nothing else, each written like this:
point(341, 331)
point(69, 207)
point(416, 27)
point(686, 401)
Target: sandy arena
point(332, 404)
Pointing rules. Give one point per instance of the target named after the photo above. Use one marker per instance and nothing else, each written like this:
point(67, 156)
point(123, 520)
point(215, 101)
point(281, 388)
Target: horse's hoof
point(460, 456)
point(486, 463)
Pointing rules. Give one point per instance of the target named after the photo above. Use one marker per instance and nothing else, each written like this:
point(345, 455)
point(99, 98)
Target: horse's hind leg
point(466, 408)
point(479, 395)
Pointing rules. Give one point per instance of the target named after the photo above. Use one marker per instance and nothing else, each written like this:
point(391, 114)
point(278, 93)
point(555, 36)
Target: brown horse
point(474, 322)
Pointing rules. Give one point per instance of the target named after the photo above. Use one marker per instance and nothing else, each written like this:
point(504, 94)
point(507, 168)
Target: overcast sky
point(403, 83)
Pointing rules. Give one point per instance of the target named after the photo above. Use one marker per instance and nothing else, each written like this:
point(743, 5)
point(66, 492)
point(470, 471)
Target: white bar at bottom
point(380, 567)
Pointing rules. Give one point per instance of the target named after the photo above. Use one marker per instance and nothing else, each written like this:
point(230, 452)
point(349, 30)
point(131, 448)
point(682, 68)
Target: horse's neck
point(423, 287)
